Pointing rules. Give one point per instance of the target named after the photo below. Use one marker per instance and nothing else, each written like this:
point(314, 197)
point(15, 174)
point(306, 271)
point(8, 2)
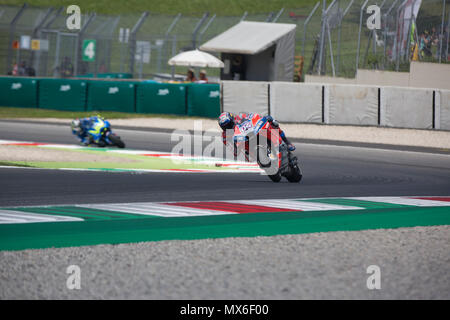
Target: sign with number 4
point(89, 47)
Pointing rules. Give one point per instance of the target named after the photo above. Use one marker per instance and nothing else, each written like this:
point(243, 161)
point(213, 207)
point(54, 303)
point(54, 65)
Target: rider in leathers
point(228, 120)
point(81, 127)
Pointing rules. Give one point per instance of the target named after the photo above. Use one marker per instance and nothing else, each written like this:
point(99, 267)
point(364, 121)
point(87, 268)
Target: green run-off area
point(126, 229)
point(114, 160)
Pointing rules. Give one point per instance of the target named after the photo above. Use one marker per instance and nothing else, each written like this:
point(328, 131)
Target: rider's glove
point(291, 147)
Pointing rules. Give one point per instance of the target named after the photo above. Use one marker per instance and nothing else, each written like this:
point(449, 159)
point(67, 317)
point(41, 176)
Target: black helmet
point(226, 121)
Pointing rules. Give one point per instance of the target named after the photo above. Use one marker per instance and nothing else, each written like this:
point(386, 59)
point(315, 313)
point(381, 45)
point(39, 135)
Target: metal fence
point(332, 37)
point(345, 42)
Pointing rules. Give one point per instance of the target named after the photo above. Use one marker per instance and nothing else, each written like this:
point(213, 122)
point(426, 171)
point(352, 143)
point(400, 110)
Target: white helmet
point(75, 125)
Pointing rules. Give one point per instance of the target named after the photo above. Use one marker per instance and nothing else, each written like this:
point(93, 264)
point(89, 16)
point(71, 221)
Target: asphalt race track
point(329, 171)
point(332, 265)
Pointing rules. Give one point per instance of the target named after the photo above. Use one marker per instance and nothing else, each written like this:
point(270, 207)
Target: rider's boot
point(86, 142)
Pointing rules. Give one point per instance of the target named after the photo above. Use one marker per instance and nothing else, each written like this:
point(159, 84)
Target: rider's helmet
point(226, 121)
point(75, 125)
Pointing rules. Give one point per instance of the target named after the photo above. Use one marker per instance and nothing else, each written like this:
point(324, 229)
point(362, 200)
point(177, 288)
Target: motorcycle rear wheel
point(275, 177)
point(295, 174)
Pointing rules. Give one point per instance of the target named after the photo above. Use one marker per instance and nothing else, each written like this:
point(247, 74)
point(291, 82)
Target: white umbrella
point(196, 58)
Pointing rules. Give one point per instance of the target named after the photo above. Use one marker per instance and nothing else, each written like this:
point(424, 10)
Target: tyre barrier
point(201, 100)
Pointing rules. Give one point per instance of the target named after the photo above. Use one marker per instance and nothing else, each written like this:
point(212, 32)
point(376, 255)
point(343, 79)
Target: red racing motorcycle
point(258, 141)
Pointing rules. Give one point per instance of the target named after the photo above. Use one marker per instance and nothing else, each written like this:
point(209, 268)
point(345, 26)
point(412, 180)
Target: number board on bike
point(246, 126)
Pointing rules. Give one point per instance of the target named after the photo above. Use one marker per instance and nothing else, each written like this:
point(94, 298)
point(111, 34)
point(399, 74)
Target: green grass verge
point(151, 164)
point(172, 7)
point(13, 164)
point(17, 113)
point(140, 162)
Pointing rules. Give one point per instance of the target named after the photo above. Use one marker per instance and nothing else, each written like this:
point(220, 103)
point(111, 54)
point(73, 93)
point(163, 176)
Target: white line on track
point(9, 216)
point(298, 205)
point(155, 209)
point(405, 201)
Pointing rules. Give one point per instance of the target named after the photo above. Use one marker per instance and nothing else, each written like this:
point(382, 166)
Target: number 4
point(89, 51)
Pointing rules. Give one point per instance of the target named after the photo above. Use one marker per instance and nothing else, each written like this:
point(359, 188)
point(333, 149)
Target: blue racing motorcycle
point(96, 130)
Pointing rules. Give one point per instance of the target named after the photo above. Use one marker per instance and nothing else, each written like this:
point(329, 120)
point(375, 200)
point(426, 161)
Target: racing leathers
point(81, 128)
point(237, 119)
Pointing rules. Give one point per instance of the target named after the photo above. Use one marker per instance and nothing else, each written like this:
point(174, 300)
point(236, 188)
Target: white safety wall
point(296, 102)
point(429, 75)
point(406, 108)
point(399, 107)
point(443, 109)
point(245, 96)
point(352, 104)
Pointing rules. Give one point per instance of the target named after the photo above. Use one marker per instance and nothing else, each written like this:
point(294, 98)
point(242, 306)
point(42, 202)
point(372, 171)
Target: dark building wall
point(235, 66)
point(258, 67)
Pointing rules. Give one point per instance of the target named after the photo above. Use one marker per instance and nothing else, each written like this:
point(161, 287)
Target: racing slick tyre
point(275, 177)
point(116, 141)
point(295, 174)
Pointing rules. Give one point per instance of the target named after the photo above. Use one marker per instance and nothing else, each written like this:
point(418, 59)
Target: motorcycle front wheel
point(116, 141)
